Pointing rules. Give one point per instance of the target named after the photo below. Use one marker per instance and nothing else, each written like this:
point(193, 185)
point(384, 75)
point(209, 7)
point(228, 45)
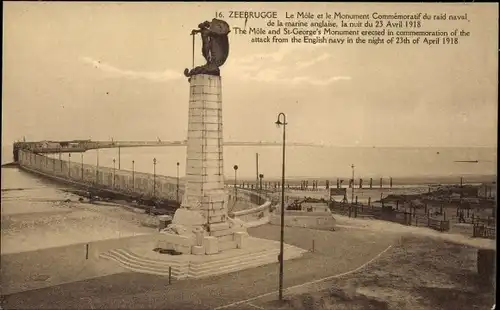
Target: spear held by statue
point(215, 47)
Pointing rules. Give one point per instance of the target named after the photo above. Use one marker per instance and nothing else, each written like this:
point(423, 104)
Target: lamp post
point(69, 165)
point(114, 172)
point(284, 123)
point(235, 167)
point(133, 174)
point(154, 177)
point(97, 167)
point(177, 189)
point(261, 176)
point(81, 155)
point(352, 188)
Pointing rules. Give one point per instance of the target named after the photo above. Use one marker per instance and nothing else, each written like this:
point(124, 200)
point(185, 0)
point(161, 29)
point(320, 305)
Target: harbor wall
point(122, 181)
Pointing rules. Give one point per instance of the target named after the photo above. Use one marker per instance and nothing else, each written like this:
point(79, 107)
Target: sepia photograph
point(249, 155)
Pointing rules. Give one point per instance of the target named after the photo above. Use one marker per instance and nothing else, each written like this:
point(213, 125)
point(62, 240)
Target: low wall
point(124, 181)
point(258, 209)
point(306, 220)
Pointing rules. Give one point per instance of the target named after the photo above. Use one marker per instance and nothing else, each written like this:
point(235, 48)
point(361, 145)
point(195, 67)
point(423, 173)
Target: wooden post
point(169, 275)
point(313, 246)
point(356, 201)
point(87, 251)
point(371, 183)
point(369, 201)
point(444, 215)
point(380, 182)
point(360, 183)
point(397, 205)
point(390, 182)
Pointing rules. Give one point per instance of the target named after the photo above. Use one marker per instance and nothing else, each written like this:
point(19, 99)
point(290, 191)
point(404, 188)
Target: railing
point(438, 225)
point(391, 215)
point(121, 181)
point(482, 231)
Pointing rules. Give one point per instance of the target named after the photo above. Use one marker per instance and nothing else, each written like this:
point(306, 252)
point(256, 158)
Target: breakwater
point(126, 182)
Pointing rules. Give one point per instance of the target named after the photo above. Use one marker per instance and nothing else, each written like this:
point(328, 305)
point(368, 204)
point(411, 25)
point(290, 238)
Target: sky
point(115, 70)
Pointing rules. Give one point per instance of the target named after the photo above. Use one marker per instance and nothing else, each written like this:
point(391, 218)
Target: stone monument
point(201, 225)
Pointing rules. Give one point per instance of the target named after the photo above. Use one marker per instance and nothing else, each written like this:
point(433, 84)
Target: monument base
point(189, 234)
point(139, 257)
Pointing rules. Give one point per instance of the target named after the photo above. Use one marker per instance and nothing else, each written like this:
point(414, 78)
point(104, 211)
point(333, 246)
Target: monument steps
point(241, 263)
point(143, 265)
point(182, 270)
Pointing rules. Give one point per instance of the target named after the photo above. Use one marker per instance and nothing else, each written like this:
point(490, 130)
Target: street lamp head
point(235, 167)
point(154, 160)
point(261, 176)
point(280, 122)
point(178, 163)
point(133, 161)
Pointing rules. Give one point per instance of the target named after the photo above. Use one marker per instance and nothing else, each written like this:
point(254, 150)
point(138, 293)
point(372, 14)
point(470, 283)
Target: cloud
point(159, 76)
point(305, 64)
point(279, 67)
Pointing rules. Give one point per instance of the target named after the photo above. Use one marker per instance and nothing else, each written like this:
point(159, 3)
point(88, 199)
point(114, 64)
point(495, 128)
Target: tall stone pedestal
point(203, 209)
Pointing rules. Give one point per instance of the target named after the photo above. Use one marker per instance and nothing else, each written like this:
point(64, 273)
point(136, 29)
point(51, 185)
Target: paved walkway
point(334, 253)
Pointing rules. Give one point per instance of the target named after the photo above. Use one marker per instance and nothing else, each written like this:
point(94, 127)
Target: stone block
point(169, 238)
point(220, 233)
point(184, 249)
point(198, 250)
point(211, 245)
point(189, 218)
point(219, 226)
point(241, 239)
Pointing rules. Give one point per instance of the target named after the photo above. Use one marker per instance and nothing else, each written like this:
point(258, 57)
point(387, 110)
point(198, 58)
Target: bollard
point(169, 275)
